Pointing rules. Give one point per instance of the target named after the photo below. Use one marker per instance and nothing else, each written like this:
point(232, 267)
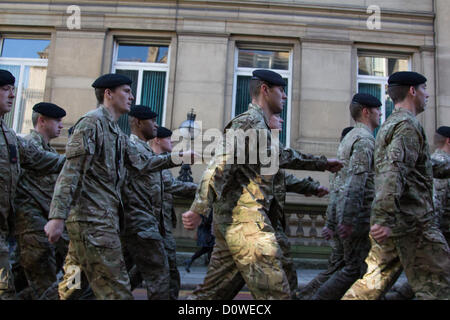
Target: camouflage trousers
point(146, 250)
point(41, 260)
point(175, 281)
point(345, 266)
point(7, 290)
point(246, 250)
point(98, 253)
point(425, 257)
point(234, 283)
point(405, 292)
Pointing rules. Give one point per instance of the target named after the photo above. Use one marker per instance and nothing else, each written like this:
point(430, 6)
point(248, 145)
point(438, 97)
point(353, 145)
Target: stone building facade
point(199, 54)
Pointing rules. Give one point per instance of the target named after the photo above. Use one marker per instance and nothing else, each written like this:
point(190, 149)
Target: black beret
point(142, 112)
point(49, 110)
point(163, 132)
point(444, 131)
point(406, 78)
point(269, 77)
point(6, 78)
point(111, 80)
point(367, 100)
point(345, 131)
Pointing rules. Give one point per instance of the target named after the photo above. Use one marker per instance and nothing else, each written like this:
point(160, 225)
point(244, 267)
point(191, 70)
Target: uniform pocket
point(104, 240)
point(150, 235)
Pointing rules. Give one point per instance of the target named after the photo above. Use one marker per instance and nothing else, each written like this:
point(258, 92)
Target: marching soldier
point(354, 194)
point(241, 197)
point(162, 144)
point(15, 154)
point(88, 191)
point(404, 231)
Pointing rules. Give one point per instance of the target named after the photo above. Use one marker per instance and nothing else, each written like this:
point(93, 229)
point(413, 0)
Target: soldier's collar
point(106, 113)
point(258, 109)
point(363, 125)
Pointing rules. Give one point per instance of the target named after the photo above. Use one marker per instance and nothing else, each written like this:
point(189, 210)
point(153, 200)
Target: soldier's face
point(121, 98)
point(276, 98)
point(149, 128)
point(375, 117)
point(166, 144)
point(421, 97)
point(7, 95)
point(53, 127)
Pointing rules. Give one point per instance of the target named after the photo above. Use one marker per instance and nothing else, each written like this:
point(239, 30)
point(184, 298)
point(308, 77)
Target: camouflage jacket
point(356, 189)
point(232, 187)
point(442, 192)
point(35, 191)
point(178, 188)
point(403, 175)
point(286, 182)
point(89, 188)
point(143, 197)
point(27, 157)
point(330, 214)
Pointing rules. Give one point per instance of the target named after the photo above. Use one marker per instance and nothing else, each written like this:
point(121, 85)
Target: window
point(248, 60)
point(373, 73)
point(27, 60)
point(147, 66)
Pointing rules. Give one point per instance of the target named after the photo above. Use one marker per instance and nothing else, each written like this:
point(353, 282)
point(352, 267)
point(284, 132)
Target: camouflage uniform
point(179, 188)
point(336, 258)
point(353, 200)
point(284, 182)
point(33, 197)
point(88, 195)
point(404, 202)
point(145, 229)
point(241, 198)
point(442, 208)
point(28, 157)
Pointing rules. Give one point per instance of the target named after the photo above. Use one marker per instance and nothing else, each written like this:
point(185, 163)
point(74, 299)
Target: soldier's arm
point(350, 202)
point(441, 167)
point(401, 156)
point(292, 159)
point(80, 150)
point(301, 186)
point(330, 214)
point(144, 162)
point(177, 187)
point(34, 158)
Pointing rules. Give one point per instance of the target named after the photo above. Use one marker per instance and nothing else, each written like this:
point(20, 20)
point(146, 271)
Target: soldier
point(33, 197)
point(143, 201)
point(335, 260)
point(441, 204)
point(241, 196)
point(162, 144)
point(15, 154)
point(354, 195)
point(404, 232)
point(88, 191)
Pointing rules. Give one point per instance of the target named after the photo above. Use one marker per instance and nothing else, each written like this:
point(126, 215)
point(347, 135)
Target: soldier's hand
point(345, 230)
point(321, 191)
point(191, 220)
point(334, 165)
point(327, 233)
point(54, 229)
point(380, 233)
point(191, 154)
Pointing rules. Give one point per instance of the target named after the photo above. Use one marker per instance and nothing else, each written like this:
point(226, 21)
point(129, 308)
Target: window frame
point(381, 80)
point(22, 62)
point(241, 71)
point(141, 67)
